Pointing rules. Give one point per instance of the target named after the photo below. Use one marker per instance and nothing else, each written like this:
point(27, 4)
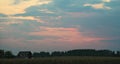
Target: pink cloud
point(62, 34)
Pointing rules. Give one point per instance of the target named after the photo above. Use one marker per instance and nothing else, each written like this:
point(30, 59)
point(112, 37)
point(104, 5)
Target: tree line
point(76, 52)
point(6, 54)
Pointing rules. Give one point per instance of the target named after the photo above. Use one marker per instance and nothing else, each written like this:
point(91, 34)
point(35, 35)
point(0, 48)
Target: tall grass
point(64, 60)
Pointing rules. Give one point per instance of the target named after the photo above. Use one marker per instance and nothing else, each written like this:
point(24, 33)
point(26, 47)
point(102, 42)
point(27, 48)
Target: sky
point(59, 25)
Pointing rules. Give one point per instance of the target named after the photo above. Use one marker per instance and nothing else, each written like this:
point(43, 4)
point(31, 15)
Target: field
point(64, 60)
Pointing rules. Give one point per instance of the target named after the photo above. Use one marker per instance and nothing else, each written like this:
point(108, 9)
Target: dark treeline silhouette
point(24, 54)
point(76, 52)
point(41, 54)
point(6, 54)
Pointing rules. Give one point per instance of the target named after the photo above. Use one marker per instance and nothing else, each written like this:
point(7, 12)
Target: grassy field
point(64, 60)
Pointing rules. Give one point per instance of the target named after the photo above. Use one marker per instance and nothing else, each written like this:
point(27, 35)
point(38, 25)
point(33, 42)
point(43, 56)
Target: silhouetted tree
point(81, 52)
point(41, 54)
point(1, 53)
point(118, 54)
point(104, 53)
point(25, 54)
point(36, 54)
point(57, 53)
point(44, 54)
point(8, 54)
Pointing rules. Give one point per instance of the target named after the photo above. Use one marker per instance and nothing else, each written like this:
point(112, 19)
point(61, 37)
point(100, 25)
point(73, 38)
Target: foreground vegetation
point(63, 60)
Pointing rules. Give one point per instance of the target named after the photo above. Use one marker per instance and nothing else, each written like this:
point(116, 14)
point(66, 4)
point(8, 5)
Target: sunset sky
point(49, 25)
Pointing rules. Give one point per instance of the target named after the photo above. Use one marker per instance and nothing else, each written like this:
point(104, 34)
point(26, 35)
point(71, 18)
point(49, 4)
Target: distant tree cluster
point(6, 54)
point(77, 52)
point(41, 54)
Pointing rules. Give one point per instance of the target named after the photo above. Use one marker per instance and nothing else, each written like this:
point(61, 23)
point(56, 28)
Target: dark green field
point(64, 60)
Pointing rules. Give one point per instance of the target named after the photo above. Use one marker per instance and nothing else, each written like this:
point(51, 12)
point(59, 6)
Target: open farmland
point(64, 60)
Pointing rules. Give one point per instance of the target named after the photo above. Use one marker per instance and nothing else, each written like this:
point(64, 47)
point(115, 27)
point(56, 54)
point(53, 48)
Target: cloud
point(99, 5)
point(61, 7)
point(11, 22)
point(9, 8)
point(19, 19)
point(106, 0)
point(62, 34)
point(46, 11)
